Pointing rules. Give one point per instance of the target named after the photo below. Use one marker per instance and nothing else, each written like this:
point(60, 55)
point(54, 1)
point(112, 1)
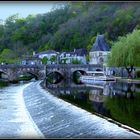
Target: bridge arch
point(80, 71)
point(55, 71)
point(76, 74)
point(35, 75)
point(54, 77)
point(99, 69)
point(1, 74)
point(14, 70)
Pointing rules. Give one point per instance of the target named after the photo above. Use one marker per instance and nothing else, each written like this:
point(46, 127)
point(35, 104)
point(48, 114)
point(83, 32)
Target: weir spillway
point(56, 118)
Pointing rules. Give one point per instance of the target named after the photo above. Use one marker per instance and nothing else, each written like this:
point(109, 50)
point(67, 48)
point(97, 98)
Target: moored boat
point(95, 76)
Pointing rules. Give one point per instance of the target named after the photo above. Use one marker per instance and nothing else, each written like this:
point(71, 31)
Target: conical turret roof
point(100, 44)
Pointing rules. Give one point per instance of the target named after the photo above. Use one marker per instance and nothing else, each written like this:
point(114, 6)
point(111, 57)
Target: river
point(29, 111)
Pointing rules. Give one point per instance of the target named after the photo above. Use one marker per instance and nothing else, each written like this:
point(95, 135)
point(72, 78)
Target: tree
point(88, 58)
point(75, 25)
point(53, 59)
point(8, 56)
point(1, 29)
point(76, 61)
point(126, 52)
point(44, 60)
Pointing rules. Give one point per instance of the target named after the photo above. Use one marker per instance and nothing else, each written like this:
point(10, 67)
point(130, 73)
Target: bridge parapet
point(20, 66)
point(67, 69)
point(71, 65)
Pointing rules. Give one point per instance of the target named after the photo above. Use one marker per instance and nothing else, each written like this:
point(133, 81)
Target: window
point(101, 60)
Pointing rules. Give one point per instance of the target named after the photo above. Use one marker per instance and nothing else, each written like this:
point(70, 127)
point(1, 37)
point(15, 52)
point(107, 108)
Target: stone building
point(99, 51)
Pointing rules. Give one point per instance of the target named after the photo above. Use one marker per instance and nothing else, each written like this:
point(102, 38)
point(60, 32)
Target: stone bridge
point(67, 70)
point(12, 71)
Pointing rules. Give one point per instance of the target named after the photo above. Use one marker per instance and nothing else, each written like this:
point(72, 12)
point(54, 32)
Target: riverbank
point(3, 83)
point(57, 118)
point(120, 79)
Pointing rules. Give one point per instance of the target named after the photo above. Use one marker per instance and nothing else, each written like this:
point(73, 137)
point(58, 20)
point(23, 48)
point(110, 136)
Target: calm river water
point(28, 110)
point(117, 100)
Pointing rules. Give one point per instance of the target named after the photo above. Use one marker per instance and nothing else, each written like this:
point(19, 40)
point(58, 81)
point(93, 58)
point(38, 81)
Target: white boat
point(95, 76)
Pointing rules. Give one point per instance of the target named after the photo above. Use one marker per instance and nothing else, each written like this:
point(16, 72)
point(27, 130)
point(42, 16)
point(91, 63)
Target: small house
point(30, 61)
point(50, 54)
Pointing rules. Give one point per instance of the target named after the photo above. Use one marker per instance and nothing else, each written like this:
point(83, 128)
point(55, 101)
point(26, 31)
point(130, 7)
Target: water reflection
point(117, 100)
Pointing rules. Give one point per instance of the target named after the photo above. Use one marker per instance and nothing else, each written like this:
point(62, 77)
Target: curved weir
point(59, 119)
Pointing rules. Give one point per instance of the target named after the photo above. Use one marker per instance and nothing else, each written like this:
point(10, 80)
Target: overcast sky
point(24, 8)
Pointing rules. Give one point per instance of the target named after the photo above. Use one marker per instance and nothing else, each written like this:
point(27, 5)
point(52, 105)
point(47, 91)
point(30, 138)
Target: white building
point(66, 57)
point(28, 60)
point(49, 54)
point(99, 51)
point(77, 54)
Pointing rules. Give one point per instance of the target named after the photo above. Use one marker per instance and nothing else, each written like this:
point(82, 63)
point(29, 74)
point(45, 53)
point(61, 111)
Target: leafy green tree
point(75, 25)
point(126, 51)
point(88, 58)
point(53, 59)
point(76, 61)
point(1, 29)
point(44, 60)
point(7, 56)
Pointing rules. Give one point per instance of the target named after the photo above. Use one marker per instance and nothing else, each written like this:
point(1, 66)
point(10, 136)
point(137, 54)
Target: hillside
point(74, 26)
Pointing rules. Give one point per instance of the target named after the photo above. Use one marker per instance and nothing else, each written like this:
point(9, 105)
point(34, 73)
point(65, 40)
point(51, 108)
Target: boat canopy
point(94, 72)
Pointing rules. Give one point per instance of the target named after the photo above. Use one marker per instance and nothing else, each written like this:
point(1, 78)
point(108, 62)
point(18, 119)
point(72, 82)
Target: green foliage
point(3, 83)
point(44, 60)
point(1, 48)
point(53, 59)
point(25, 78)
point(7, 56)
point(74, 26)
point(1, 30)
point(88, 58)
point(138, 74)
point(76, 61)
point(126, 50)
point(44, 48)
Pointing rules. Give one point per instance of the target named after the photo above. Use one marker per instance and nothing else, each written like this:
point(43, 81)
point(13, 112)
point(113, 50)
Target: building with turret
point(99, 51)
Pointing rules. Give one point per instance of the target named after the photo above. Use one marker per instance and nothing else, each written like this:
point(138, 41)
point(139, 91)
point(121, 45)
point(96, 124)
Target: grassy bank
point(24, 78)
point(3, 83)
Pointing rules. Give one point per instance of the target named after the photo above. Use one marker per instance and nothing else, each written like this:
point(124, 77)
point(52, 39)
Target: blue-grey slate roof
point(80, 52)
point(45, 52)
point(100, 44)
